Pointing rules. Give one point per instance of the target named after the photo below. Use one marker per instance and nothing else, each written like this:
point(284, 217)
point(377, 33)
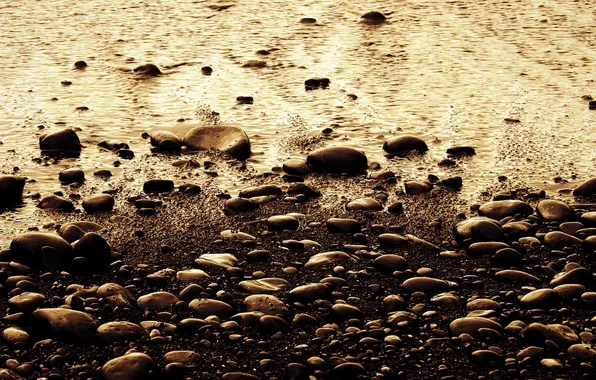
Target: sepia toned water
point(449, 72)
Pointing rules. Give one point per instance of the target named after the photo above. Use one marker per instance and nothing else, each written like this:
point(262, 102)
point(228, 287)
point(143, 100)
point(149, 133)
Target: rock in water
point(134, 366)
point(404, 144)
point(64, 141)
point(231, 140)
point(148, 69)
point(71, 175)
point(54, 202)
point(64, 324)
point(373, 18)
point(165, 141)
point(586, 189)
point(338, 160)
point(11, 189)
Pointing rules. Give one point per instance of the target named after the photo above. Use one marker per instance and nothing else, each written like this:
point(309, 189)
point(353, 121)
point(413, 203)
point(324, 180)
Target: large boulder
point(338, 160)
point(231, 140)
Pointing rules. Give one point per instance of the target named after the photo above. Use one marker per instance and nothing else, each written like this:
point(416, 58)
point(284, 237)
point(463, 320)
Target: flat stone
point(339, 225)
point(264, 285)
point(54, 202)
point(511, 275)
point(191, 275)
point(259, 191)
point(99, 203)
point(266, 304)
point(327, 258)
point(310, 292)
point(157, 301)
point(427, 285)
point(228, 139)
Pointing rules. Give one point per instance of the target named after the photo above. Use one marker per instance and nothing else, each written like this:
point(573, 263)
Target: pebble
point(228, 139)
point(339, 225)
point(337, 160)
point(63, 324)
point(70, 175)
point(553, 210)
point(132, 366)
point(165, 141)
point(99, 203)
point(65, 141)
point(404, 144)
point(364, 204)
point(55, 202)
point(238, 205)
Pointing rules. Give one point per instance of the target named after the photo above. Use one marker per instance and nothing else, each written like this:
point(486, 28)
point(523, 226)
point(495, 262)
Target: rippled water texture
point(447, 71)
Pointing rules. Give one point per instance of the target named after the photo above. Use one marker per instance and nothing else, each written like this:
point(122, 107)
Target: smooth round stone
point(295, 166)
point(207, 307)
point(398, 317)
point(266, 304)
point(27, 249)
point(339, 225)
point(511, 275)
point(94, 247)
point(348, 370)
point(589, 218)
point(11, 189)
point(586, 189)
point(373, 18)
point(518, 229)
point(589, 298)
point(345, 312)
point(157, 301)
point(338, 160)
point(562, 335)
point(541, 299)
point(158, 186)
point(568, 292)
point(63, 324)
point(27, 301)
point(73, 231)
point(487, 358)
point(120, 331)
point(259, 191)
point(391, 262)
point(64, 141)
point(501, 209)
point(228, 139)
point(553, 210)
point(459, 151)
point(310, 292)
point(258, 255)
point(264, 285)
point(426, 285)
point(165, 141)
point(221, 261)
point(580, 276)
point(479, 229)
point(15, 335)
point(417, 187)
point(364, 204)
point(191, 275)
point(485, 248)
point(55, 202)
point(239, 376)
point(71, 175)
point(134, 366)
point(184, 357)
point(507, 256)
point(558, 240)
point(148, 69)
point(282, 222)
point(99, 203)
point(328, 258)
point(404, 144)
point(582, 351)
point(238, 205)
point(392, 240)
point(483, 304)
point(471, 325)
point(303, 189)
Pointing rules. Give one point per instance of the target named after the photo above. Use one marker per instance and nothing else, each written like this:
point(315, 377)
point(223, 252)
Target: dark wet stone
point(54, 202)
point(134, 366)
point(426, 285)
point(339, 225)
point(452, 182)
point(586, 189)
point(116, 294)
point(314, 83)
point(120, 331)
point(348, 370)
point(364, 204)
point(303, 189)
point(206, 70)
point(417, 187)
point(158, 186)
point(558, 240)
point(296, 166)
point(580, 276)
point(126, 154)
point(231, 140)
point(538, 333)
point(27, 301)
point(245, 99)
point(165, 141)
point(254, 64)
point(392, 240)
point(27, 249)
point(259, 255)
point(553, 210)
point(373, 18)
point(11, 189)
point(459, 151)
point(391, 262)
point(328, 258)
point(206, 307)
point(404, 144)
point(148, 69)
point(589, 219)
point(471, 325)
point(478, 229)
point(259, 191)
point(510, 275)
point(501, 209)
point(238, 205)
point(266, 304)
point(541, 299)
point(189, 188)
point(488, 358)
point(582, 351)
point(99, 203)
point(399, 318)
point(485, 248)
point(239, 376)
point(344, 311)
point(80, 65)
point(337, 160)
point(308, 20)
point(508, 256)
point(71, 175)
point(102, 173)
point(95, 248)
point(63, 324)
point(73, 231)
point(157, 301)
point(396, 208)
point(64, 141)
point(282, 222)
point(264, 285)
point(515, 230)
point(310, 292)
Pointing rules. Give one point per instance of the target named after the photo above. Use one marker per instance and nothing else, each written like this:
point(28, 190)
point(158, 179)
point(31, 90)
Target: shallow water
point(449, 72)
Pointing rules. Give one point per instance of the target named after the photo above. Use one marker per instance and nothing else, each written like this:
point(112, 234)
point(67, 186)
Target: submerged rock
point(373, 18)
point(231, 140)
point(148, 69)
